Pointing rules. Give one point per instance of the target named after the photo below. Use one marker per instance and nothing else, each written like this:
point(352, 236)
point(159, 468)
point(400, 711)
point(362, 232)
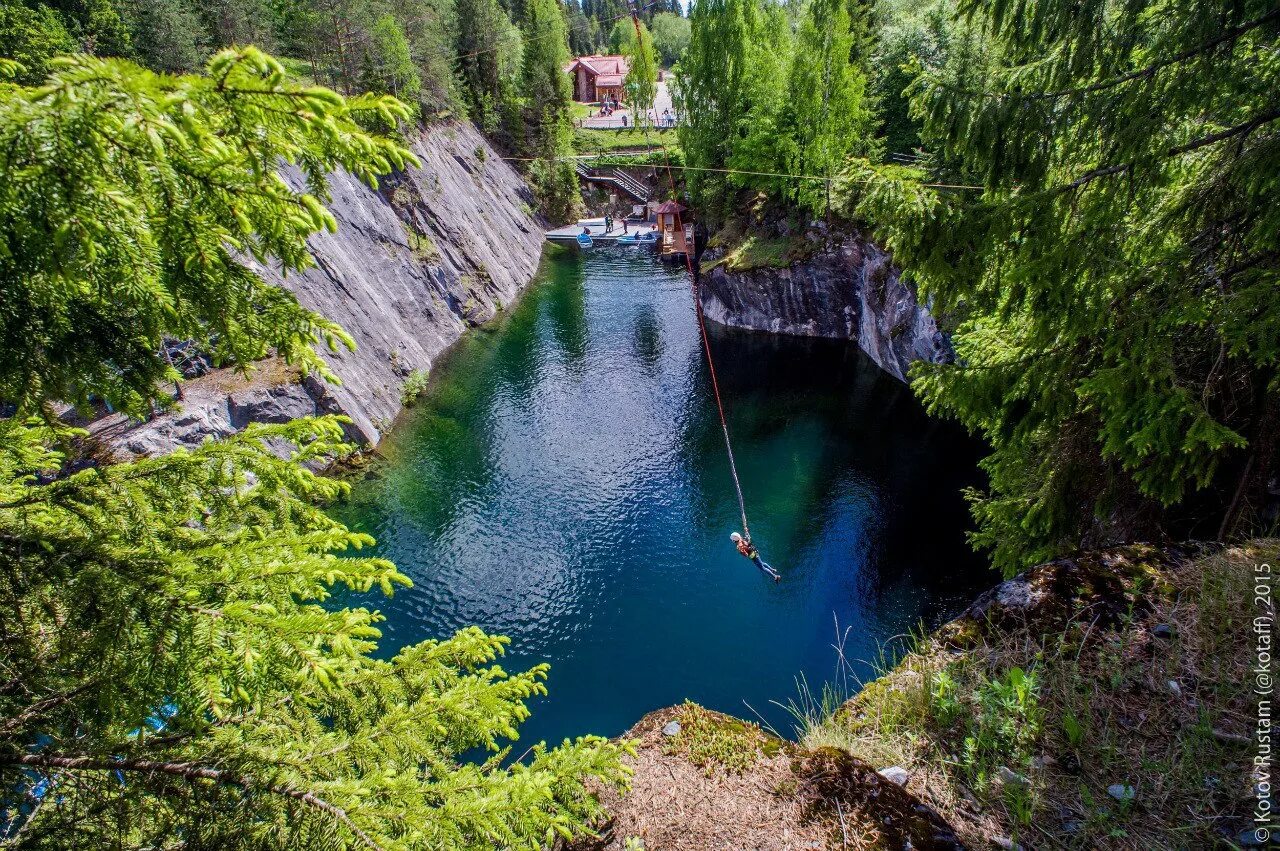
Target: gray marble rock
point(435, 250)
point(849, 290)
point(1121, 792)
point(895, 774)
point(277, 404)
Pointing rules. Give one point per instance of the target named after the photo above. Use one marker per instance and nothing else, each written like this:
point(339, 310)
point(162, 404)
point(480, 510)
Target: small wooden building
point(598, 78)
point(675, 233)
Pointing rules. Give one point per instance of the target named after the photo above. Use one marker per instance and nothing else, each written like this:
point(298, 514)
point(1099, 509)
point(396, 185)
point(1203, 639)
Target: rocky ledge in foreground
point(704, 780)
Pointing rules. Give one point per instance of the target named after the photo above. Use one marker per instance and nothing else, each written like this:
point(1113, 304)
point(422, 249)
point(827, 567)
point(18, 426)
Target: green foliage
point(1003, 726)
point(32, 37)
point(184, 675)
point(167, 35)
point(831, 113)
point(712, 95)
point(782, 104)
point(1113, 284)
point(391, 60)
point(671, 36)
point(414, 386)
point(96, 25)
point(911, 38)
point(591, 141)
point(546, 92)
point(711, 740)
point(243, 22)
point(489, 49)
point(641, 83)
point(187, 672)
point(128, 202)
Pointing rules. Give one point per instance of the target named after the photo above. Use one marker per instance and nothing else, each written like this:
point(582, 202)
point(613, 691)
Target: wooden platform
point(568, 235)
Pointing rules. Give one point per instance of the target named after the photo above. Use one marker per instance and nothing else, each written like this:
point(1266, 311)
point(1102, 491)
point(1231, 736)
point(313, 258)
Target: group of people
point(609, 106)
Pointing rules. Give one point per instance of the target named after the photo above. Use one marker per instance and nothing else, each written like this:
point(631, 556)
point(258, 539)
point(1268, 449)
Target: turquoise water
point(564, 483)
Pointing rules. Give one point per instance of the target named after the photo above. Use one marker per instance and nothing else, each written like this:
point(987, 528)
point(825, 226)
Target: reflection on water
point(564, 483)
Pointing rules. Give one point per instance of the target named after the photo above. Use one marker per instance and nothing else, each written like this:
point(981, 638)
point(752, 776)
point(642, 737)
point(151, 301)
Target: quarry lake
point(564, 482)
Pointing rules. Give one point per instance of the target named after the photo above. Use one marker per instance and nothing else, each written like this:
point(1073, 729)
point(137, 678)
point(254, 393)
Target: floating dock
point(568, 235)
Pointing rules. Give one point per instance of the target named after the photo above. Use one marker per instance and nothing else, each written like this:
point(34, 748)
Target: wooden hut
point(674, 233)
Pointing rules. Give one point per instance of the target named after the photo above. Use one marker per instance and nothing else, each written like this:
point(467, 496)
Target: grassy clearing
point(761, 252)
point(588, 141)
point(1022, 735)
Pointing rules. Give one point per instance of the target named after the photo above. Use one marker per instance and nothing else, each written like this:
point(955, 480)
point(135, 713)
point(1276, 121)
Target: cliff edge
point(435, 250)
point(833, 284)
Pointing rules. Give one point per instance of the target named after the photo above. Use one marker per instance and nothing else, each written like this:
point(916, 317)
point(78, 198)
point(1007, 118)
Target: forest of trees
point(1088, 206)
point(497, 61)
point(1085, 194)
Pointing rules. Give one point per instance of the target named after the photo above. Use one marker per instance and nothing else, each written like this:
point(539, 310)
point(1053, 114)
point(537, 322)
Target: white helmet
point(735, 537)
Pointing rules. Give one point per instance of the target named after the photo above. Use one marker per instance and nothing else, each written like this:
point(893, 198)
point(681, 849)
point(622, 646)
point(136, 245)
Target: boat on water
point(585, 240)
point(647, 238)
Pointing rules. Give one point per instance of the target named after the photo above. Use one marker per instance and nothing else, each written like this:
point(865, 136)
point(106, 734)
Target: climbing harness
point(694, 285)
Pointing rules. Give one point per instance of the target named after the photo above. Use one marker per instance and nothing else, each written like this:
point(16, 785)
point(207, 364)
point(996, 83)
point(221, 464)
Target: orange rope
point(694, 286)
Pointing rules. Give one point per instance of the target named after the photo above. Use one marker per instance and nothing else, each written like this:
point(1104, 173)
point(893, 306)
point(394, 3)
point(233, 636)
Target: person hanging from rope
point(748, 549)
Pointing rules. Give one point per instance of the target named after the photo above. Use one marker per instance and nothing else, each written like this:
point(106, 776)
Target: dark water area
point(564, 483)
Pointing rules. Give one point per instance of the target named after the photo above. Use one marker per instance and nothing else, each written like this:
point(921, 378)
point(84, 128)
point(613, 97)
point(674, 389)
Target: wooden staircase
point(615, 178)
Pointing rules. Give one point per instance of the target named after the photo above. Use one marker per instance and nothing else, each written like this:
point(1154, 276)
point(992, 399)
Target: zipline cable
point(839, 178)
point(694, 286)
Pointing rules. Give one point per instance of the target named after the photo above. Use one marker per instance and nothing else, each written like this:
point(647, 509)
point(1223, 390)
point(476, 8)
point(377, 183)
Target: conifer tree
point(547, 95)
point(1114, 281)
point(713, 91)
point(827, 95)
point(641, 82)
point(31, 37)
point(178, 671)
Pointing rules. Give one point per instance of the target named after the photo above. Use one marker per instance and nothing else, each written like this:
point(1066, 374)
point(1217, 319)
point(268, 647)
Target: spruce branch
point(190, 771)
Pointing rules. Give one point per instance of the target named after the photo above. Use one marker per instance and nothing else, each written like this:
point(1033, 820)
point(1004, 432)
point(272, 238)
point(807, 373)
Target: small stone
point(1006, 843)
point(1039, 763)
point(1162, 630)
point(1009, 777)
point(1072, 827)
point(1174, 688)
point(895, 774)
point(671, 729)
point(1121, 792)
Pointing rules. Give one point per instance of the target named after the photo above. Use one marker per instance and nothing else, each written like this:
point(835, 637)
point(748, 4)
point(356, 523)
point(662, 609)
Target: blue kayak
point(630, 239)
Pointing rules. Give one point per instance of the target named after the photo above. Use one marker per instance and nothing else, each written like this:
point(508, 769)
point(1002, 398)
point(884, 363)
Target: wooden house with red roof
point(597, 78)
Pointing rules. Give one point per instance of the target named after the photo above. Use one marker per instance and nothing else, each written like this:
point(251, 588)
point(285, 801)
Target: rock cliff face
point(435, 250)
point(849, 289)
